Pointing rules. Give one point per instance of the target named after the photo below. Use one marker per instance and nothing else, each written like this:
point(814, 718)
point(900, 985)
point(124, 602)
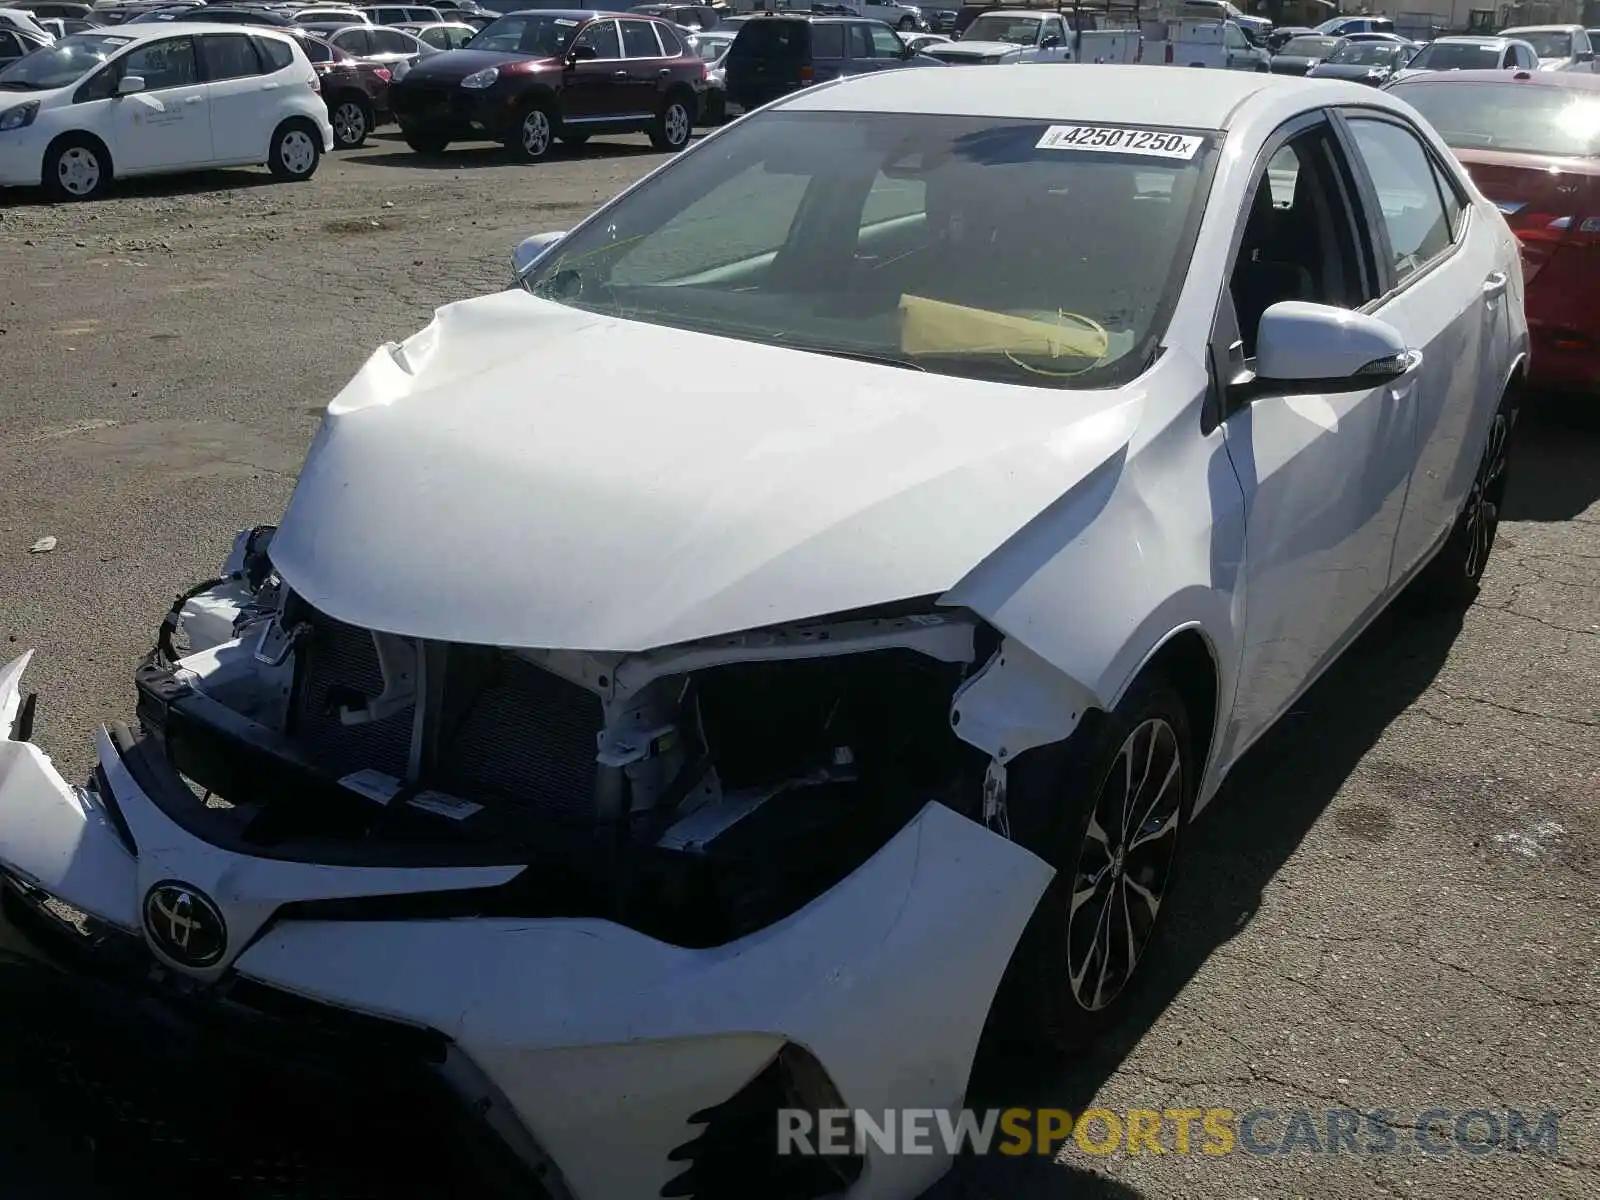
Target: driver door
point(1236, 48)
point(164, 127)
point(1324, 475)
point(596, 89)
point(1058, 51)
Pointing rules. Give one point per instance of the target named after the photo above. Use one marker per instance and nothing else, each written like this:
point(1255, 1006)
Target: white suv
point(145, 99)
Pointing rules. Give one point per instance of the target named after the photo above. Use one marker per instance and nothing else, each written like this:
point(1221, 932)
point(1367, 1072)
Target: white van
point(1203, 43)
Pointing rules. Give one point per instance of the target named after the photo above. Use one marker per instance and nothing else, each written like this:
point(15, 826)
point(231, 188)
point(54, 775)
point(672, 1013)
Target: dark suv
point(531, 77)
point(773, 56)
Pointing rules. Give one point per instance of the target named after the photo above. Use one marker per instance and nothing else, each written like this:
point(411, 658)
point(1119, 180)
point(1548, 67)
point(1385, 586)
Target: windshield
point(1367, 54)
point(979, 247)
point(544, 34)
point(1309, 47)
point(1456, 56)
point(1019, 31)
point(61, 63)
point(1489, 116)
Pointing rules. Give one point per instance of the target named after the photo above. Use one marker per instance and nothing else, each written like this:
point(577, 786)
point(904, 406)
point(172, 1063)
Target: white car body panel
point(454, 493)
point(196, 125)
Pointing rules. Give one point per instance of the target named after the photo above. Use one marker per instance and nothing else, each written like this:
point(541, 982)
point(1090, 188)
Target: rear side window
point(276, 55)
point(354, 41)
point(390, 41)
point(639, 40)
point(827, 41)
point(229, 56)
point(773, 40)
point(317, 52)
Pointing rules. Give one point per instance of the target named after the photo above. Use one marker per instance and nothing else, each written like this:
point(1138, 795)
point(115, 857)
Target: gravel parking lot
point(1393, 905)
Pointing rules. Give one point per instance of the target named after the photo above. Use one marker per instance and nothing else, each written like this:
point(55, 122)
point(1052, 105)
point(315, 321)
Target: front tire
point(1108, 808)
point(533, 132)
point(1450, 581)
point(673, 124)
point(76, 167)
point(352, 121)
point(907, 23)
point(296, 151)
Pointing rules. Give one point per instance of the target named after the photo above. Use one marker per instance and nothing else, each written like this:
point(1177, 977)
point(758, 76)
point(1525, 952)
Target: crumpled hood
point(524, 474)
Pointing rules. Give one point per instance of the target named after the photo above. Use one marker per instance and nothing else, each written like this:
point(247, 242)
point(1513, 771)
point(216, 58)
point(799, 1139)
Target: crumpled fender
point(52, 834)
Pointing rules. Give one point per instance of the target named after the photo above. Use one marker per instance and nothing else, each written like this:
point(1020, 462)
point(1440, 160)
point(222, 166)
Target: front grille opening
point(736, 1157)
point(339, 662)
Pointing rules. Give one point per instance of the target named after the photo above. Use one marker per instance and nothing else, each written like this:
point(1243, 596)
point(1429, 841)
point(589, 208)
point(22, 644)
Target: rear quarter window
point(277, 55)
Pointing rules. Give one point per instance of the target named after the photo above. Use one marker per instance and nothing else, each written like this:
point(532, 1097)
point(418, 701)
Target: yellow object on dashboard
point(934, 327)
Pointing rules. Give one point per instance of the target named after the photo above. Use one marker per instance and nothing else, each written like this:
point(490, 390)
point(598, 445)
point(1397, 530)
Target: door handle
point(192, 100)
point(1495, 285)
point(269, 87)
point(619, 75)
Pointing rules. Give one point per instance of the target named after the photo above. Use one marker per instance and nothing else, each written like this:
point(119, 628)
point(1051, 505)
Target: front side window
point(1557, 121)
point(228, 56)
point(1409, 205)
point(168, 63)
point(885, 42)
point(602, 37)
point(907, 237)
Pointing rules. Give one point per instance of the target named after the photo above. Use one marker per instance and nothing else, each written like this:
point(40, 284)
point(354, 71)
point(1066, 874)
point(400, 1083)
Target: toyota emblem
point(185, 925)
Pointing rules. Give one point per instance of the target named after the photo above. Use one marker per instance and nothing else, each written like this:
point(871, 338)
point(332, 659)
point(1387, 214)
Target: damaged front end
point(629, 900)
point(695, 793)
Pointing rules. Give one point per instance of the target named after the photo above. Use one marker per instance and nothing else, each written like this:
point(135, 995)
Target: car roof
point(145, 30)
point(1183, 97)
point(1468, 39)
point(1516, 29)
point(571, 12)
point(1576, 80)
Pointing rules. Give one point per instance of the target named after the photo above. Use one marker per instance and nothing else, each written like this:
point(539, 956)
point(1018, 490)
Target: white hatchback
point(137, 100)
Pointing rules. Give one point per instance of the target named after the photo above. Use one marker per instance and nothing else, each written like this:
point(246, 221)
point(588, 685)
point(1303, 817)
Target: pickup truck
point(1021, 35)
point(1219, 44)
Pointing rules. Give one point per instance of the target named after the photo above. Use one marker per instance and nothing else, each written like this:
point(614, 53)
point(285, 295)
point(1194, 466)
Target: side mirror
point(582, 54)
point(531, 249)
point(907, 52)
point(1586, 56)
point(1050, 41)
point(1303, 347)
point(130, 84)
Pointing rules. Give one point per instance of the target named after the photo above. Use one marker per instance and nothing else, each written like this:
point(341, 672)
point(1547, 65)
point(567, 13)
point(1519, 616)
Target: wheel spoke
point(1139, 836)
point(1151, 900)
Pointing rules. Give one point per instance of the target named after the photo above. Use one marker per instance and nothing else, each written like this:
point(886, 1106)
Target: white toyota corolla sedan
point(653, 750)
point(148, 99)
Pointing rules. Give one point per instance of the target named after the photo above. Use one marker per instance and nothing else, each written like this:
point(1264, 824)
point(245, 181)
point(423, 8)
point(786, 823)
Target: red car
point(356, 89)
point(1531, 142)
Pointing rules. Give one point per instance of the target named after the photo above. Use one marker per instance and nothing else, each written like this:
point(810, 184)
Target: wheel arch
point(1187, 659)
point(80, 135)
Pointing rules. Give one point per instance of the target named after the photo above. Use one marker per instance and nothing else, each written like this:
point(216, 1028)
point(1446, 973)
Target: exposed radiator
point(525, 737)
point(343, 657)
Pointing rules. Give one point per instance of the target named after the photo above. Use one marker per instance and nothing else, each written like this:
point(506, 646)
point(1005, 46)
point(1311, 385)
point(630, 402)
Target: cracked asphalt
point(1391, 909)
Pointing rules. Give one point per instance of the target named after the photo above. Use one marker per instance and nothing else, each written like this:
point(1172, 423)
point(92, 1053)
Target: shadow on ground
point(393, 152)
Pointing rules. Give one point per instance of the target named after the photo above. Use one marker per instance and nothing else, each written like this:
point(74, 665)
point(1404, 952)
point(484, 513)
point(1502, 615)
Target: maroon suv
point(355, 89)
point(530, 78)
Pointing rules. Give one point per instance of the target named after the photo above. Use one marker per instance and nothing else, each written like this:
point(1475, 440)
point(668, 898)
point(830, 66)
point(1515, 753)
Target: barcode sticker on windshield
point(1149, 143)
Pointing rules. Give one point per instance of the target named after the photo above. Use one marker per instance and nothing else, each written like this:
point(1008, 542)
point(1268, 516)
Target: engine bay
point(695, 793)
